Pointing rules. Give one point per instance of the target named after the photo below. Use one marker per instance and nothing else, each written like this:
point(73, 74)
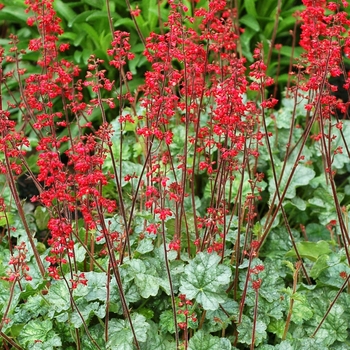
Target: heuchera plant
point(173, 215)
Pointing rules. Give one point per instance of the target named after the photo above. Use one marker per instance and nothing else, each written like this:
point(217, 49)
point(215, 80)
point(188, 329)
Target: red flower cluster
point(18, 265)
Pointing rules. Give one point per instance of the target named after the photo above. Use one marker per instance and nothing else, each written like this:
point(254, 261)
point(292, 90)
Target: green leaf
point(42, 217)
point(130, 290)
point(79, 252)
point(145, 246)
point(78, 40)
point(58, 297)
point(316, 232)
point(148, 285)
point(204, 341)
point(94, 3)
point(120, 334)
point(167, 322)
point(322, 202)
point(145, 277)
point(334, 328)
point(245, 330)
point(331, 276)
point(298, 203)
point(301, 343)
point(143, 26)
point(301, 177)
point(53, 341)
point(64, 10)
point(319, 302)
point(14, 14)
point(156, 340)
point(245, 39)
point(127, 22)
point(310, 250)
point(301, 311)
point(98, 15)
point(272, 280)
point(128, 168)
point(277, 327)
point(6, 218)
point(149, 314)
point(35, 330)
point(250, 7)
point(205, 279)
point(340, 160)
point(91, 32)
point(81, 18)
point(266, 347)
point(34, 307)
point(86, 311)
point(97, 333)
point(250, 22)
point(222, 317)
point(319, 266)
point(276, 244)
point(96, 286)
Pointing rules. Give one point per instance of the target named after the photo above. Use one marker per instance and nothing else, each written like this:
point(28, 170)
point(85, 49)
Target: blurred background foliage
point(87, 29)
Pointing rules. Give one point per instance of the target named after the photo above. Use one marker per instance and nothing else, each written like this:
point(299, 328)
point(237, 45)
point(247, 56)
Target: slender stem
point(274, 33)
point(330, 306)
point(115, 269)
point(75, 307)
point(21, 213)
point(277, 183)
point(291, 302)
point(9, 340)
point(245, 289)
point(4, 317)
point(172, 294)
point(107, 301)
point(255, 317)
point(135, 23)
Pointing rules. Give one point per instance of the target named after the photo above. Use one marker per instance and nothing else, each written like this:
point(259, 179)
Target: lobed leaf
point(204, 341)
point(120, 334)
point(204, 280)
